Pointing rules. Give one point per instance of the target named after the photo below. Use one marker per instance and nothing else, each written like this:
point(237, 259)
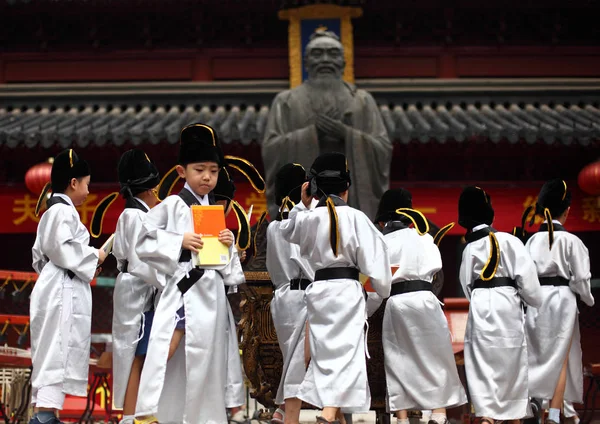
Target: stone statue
point(326, 114)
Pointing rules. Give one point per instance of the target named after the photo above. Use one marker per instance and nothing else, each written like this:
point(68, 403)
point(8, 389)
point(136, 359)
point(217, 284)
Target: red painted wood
point(529, 66)
point(272, 63)
point(14, 319)
point(250, 68)
point(447, 65)
point(105, 69)
point(202, 69)
point(396, 67)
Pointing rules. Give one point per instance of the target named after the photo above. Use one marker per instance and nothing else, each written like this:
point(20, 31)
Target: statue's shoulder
point(290, 95)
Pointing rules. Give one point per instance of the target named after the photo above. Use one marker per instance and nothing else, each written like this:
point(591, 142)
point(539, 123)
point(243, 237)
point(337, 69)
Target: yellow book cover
point(209, 221)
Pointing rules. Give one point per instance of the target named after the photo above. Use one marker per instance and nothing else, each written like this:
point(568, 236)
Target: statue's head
point(324, 56)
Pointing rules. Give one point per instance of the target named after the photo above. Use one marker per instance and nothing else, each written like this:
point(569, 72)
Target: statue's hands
point(331, 127)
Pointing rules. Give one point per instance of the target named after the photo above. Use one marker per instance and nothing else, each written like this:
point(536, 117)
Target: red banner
point(438, 203)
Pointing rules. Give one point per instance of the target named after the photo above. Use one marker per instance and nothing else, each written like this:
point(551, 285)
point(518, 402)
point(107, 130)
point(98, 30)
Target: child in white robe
point(190, 324)
point(133, 298)
point(497, 275)
point(419, 363)
point(290, 275)
point(61, 301)
point(563, 266)
point(339, 242)
point(224, 192)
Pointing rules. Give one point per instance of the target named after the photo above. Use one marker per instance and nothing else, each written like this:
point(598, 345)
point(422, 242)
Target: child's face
point(78, 190)
point(201, 176)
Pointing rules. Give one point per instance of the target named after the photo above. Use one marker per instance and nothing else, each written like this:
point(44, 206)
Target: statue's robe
point(291, 136)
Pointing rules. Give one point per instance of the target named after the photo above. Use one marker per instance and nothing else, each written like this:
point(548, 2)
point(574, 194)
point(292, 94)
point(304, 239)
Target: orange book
point(366, 281)
point(209, 221)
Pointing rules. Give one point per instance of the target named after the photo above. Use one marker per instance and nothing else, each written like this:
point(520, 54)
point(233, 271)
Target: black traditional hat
point(554, 196)
point(225, 188)
point(391, 200)
point(474, 208)
point(199, 143)
point(66, 166)
point(288, 183)
point(329, 174)
point(137, 173)
point(554, 199)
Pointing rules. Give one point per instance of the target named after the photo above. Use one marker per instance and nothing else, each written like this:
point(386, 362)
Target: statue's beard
point(327, 93)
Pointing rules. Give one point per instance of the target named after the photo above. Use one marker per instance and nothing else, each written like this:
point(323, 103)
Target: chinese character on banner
point(259, 201)
point(591, 209)
point(531, 201)
point(26, 207)
point(86, 209)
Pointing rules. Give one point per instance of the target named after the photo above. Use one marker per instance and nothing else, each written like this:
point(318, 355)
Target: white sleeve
point(372, 256)
point(525, 274)
point(233, 273)
point(58, 244)
point(466, 272)
point(155, 245)
point(579, 262)
point(136, 266)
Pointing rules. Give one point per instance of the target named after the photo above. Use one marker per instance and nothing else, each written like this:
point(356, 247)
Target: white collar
point(480, 227)
point(554, 221)
point(143, 203)
point(203, 200)
point(64, 197)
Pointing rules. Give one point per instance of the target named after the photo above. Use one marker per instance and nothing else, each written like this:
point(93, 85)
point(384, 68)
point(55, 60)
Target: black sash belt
point(186, 283)
point(340, 273)
point(299, 283)
point(402, 287)
point(494, 282)
point(553, 281)
point(186, 256)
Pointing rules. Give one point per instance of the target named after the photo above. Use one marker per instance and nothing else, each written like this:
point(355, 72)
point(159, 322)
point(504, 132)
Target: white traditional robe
point(551, 327)
point(495, 344)
point(131, 298)
point(288, 308)
point(191, 387)
point(337, 374)
point(235, 391)
point(419, 362)
point(61, 245)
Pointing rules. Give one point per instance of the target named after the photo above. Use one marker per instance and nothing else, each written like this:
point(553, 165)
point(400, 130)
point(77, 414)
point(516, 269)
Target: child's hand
point(101, 256)
point(306, 197)
point(242, 255)
point(192, 241)
point(226, 237)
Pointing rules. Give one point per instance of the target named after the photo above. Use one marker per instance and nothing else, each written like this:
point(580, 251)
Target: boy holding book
point(133, 297)
point(339, 242)
point(497, 276)
point(192, 307)
point(61, 301)
point(563, 266)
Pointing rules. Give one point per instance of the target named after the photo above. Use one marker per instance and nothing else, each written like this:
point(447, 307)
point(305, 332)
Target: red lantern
point(38, 175)
point(589, 178)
